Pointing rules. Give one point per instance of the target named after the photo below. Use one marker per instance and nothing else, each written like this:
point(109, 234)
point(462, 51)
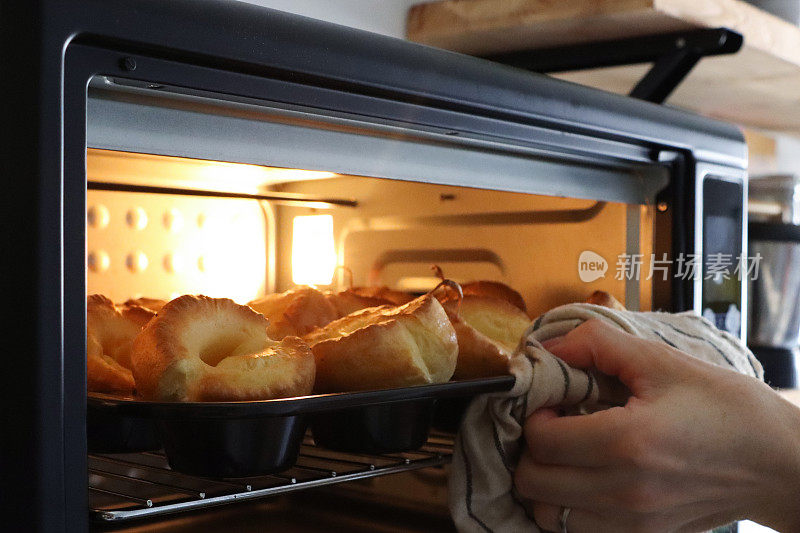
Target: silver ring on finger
point(562, 518)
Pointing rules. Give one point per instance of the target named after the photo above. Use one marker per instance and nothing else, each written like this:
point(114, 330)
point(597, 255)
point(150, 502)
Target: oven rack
point(140, 485)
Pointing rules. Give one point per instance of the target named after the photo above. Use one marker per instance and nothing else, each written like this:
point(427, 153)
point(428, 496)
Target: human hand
point(695, 446)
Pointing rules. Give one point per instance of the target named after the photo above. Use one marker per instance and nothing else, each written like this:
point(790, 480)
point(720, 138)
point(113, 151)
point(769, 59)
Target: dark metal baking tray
point(241, 439)
point(449, 412)
point(109, 430)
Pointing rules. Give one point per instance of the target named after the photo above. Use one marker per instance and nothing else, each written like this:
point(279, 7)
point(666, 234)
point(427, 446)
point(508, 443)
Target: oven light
point(313, 252)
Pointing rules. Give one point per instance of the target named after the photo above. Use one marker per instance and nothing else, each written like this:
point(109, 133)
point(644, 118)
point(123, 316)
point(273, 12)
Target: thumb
point(596, 344)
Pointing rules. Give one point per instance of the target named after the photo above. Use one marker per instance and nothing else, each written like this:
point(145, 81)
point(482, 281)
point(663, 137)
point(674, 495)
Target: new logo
point(591, 266)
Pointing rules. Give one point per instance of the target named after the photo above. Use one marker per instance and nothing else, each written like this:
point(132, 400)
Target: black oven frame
point(56, 46)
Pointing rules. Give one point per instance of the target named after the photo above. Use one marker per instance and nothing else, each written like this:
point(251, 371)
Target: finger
point(552, 342)
point(563, 485)
point(548, 517)
point(612, 351)
point(585, 440)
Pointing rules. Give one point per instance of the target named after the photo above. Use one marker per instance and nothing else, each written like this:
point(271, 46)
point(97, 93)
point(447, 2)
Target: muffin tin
point(110, 430)
point(242, 439)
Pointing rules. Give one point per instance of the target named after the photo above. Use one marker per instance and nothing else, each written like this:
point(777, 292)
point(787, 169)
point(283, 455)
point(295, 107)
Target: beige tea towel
point(488, 444)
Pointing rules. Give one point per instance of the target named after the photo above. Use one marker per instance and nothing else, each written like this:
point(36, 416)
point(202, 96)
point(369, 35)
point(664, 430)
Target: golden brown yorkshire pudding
point(348, 301)
point(381, 294)
point(488, 331)
point(482, 288)
point(385, 347)
point(103, 373)
point(605, 299)
point(154, 304)
point(295, 312)
point(494, 289)
point(384, 293)
point(212, 349)
point(300, 310)
point(110, 331)
point(489, 319)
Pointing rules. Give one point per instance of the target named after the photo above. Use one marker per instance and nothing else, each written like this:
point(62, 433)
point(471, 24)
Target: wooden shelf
point(758, 87)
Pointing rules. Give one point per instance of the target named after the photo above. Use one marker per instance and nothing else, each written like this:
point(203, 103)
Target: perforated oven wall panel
point(163, 246)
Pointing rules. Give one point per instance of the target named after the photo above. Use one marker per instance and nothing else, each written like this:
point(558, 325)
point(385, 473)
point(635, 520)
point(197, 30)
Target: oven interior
point(205, 195)
point(387, 232)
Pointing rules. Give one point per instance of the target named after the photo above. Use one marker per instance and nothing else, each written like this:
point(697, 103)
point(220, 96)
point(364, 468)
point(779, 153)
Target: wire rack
point(138, 485)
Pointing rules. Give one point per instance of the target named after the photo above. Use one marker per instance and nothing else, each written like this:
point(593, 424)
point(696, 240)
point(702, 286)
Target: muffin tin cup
point(230, 448)
point(383, 428)
point(243, 439)
point(449, 412)
point(110, 431)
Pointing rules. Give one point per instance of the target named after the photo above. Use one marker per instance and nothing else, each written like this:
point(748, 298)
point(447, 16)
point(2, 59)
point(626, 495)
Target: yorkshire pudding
point(300, 310)
point(211, 349)
point(383, 292)
point(488, 331)
point(385, 347)
point(348, 301)
point(494, 289)
point(110, 331)
point(489, 319)
point(296, 311)
point(153, 304)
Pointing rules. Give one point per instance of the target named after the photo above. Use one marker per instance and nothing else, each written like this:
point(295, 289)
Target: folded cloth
point(488, 444)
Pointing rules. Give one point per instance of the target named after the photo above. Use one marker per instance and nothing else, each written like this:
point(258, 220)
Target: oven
point(164, 148)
